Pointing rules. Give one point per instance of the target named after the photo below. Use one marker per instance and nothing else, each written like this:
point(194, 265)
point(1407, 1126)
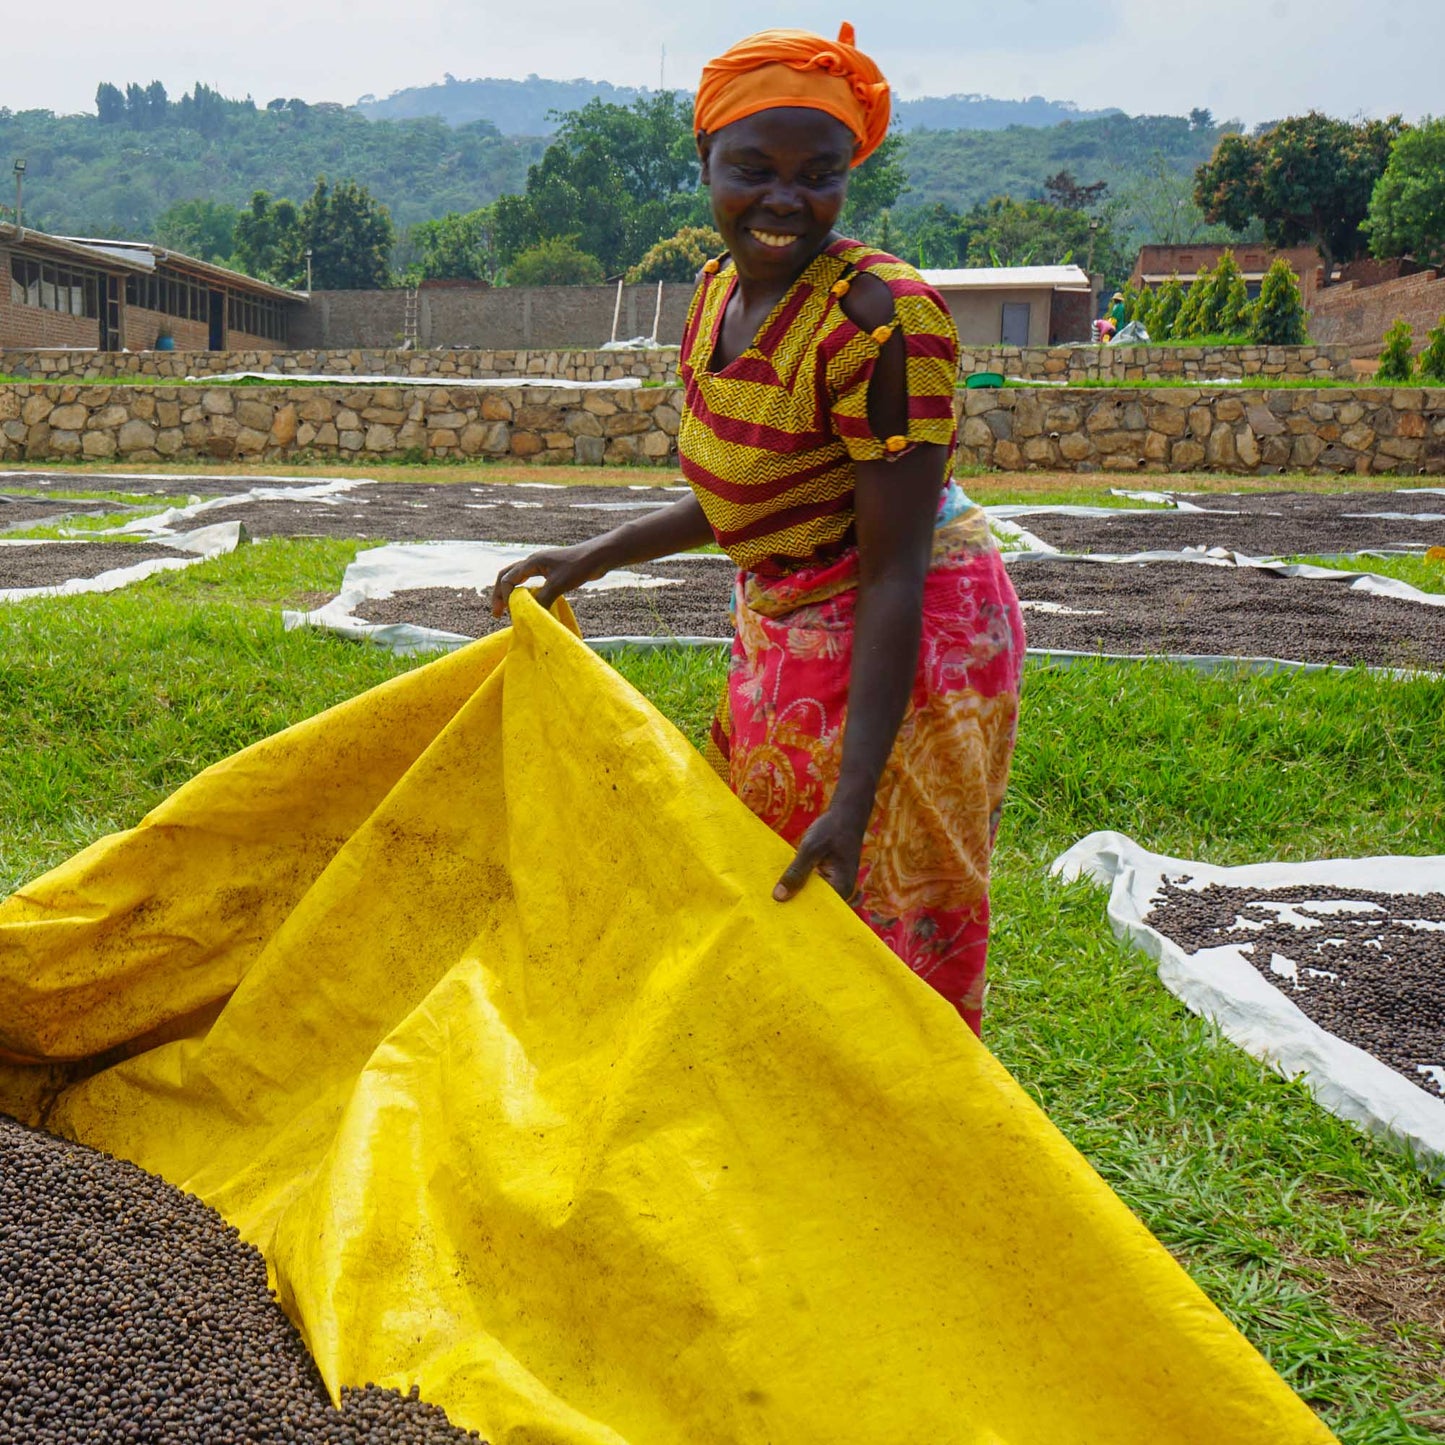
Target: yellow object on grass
point(468, 1004)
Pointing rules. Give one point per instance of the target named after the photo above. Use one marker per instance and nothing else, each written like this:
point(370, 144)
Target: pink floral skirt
point(778, 739)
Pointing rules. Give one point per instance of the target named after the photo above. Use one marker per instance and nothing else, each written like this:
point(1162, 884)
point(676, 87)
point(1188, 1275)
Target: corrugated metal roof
point(64, 246)
point(145, 256)
point(1010, 278)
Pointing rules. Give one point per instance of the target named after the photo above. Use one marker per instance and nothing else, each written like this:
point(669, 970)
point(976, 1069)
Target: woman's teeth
point(772, 238)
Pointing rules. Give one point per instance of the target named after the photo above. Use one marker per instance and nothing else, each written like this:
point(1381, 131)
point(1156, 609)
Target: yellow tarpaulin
point(468, 1004)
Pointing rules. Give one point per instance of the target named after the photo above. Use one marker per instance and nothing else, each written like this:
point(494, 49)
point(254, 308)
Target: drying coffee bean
point(130, 1311)
point(1368, 967)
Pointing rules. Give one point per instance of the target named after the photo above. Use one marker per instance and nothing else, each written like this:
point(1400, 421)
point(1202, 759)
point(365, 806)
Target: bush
point(1167, 305)
point(1193, 318)
point(557, 261)
point(1432, 359)
point(1228, 298)
point(1278, 317)
point(679, 257)
point(1144, 309)
point(1397, 360)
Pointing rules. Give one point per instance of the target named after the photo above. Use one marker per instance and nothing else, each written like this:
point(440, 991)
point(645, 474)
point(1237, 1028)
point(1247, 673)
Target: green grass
point(108, 703)
point(1247, 383)
point(1419, 572)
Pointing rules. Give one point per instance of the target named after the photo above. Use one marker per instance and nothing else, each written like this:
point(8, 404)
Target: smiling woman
point(871, 704)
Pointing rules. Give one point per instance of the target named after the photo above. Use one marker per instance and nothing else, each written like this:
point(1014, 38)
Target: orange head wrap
point(796, 68)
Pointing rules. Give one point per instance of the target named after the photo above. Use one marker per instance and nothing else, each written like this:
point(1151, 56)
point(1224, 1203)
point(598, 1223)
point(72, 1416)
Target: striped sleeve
point(931, 345)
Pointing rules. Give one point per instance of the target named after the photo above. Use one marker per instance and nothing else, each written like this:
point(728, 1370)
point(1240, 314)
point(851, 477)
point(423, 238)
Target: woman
point(872, 697)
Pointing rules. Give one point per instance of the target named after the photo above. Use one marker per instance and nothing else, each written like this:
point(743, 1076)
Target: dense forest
point(531, 106)
point(115, 173)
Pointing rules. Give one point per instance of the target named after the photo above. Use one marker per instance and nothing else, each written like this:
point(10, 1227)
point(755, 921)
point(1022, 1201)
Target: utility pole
point(19, 180)
point(308, 270)
point(662, 71)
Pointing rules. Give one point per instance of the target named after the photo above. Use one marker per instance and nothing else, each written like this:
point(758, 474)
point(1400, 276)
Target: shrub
point(1278, 317)
point(1144, 310)
point(557, 261)
point(1432, 359)
point(1167, 305)
point(1193, 318)
point(1228, 299)
point(1397, 360)
point(679, 257)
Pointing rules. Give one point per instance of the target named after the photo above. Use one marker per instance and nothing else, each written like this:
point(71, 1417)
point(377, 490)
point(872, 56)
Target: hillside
point(115, 175)
point(960, 167)
point(85, 177)
point(523, 107)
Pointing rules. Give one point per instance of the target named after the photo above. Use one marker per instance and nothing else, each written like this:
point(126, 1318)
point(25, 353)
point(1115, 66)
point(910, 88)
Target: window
point(168, 295)
point(256, 316)
point(54, 288)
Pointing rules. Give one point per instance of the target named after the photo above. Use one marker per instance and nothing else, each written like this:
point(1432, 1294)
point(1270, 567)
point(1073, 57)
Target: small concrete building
point(83, 293)
point(1017, 305)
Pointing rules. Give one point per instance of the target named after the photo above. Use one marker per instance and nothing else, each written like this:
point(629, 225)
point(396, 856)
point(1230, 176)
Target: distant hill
point(521, 107)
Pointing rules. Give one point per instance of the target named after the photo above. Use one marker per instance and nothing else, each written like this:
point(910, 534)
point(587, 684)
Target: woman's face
point(778, 180)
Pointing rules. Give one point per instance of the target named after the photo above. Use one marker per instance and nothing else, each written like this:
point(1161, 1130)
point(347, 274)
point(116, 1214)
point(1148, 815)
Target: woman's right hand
point(562, 569)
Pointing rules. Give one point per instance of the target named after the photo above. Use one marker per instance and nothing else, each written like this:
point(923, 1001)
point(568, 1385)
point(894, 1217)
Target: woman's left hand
point(831, 848)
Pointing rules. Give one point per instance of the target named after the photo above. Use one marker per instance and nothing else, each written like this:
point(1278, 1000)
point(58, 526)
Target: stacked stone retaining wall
point(1055, 363)
point(384, 423)
point(1184, 429)
point(1179, 429)
point(659, 365)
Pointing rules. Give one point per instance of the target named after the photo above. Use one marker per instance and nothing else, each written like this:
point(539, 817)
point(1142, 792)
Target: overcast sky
point(1250, 59)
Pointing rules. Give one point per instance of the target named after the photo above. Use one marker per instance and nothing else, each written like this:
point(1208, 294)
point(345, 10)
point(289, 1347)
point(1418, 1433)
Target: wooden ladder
point(409, 336)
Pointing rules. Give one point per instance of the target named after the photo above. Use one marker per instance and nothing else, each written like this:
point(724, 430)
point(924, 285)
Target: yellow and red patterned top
point(768, 442)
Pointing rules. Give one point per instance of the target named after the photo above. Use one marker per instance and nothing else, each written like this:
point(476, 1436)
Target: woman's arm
point(896, 507)
point(675, 528)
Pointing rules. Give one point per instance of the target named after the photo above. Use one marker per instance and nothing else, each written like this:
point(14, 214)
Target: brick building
point(66, 291)
point(1156, 264)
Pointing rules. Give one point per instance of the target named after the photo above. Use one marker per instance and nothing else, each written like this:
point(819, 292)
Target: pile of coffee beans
point(1368, 967)
point(130, 1311)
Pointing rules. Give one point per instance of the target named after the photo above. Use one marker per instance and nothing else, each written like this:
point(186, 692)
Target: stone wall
point(1185, 429)
point(1058, 363)
point(491, 317)
point(1180, 429)
point(1160, 363)
point(1357, 317)
point(386, 423)
point(659, 365)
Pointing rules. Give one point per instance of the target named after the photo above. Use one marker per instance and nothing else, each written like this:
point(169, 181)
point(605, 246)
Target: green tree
point(454, 247)
point(616, 178)
point(1228, 298)
point(555, 261)
point(1144, 309)
point(1308, 179)
point(1397, 360)
point(1193, 318)
point(349, 236)
point(1407, 210)
point(1432, 359)
point(204, 229)
point(109, 104)
point(679, 257)
point(1167, 306)
point(1278, 317)
point(1006, 232)
point(267, 241)
point(872, 190)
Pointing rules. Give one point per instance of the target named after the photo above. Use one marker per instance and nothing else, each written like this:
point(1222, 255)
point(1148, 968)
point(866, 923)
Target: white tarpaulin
point(1370, 582)
point(382, 572)
point(282, 378)
point(1223, 986)
point(189, 548)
